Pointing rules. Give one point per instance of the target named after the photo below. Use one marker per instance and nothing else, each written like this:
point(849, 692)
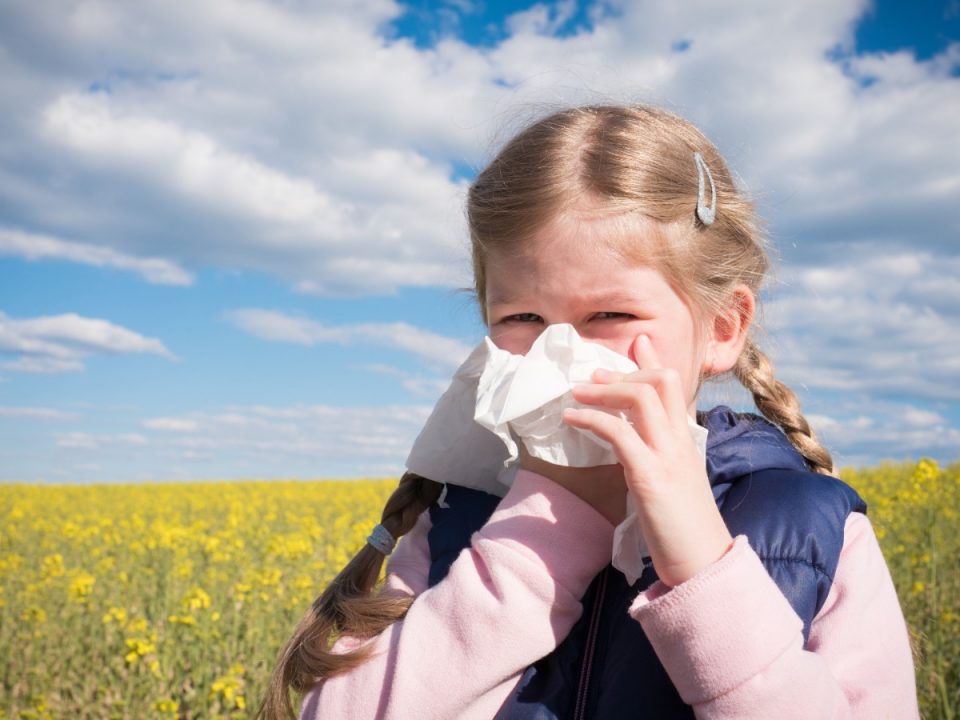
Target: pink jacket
point(515, 594)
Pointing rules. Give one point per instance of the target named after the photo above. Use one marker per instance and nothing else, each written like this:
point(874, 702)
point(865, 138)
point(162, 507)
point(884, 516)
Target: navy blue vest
point(605, 667)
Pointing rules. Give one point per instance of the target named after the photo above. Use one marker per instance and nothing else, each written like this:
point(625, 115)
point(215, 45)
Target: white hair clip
point(381, 539)
point(706, 214)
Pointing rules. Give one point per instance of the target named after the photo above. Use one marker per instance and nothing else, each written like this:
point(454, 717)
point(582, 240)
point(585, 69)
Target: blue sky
point(231, 237)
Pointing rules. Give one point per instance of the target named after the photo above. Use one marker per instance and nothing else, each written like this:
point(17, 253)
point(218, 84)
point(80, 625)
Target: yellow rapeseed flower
point(168, 707)
point(81, 585)
point(10, 563)
point(229, 688)
point(137, 626)
point(196, 599)
point(34, 614)
point(138, 648)
point(188, 620)
point(53, 565)
point(927, 472)
point(115, 614)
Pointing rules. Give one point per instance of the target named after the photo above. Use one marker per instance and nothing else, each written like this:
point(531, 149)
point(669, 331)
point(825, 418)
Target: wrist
point(709, 551)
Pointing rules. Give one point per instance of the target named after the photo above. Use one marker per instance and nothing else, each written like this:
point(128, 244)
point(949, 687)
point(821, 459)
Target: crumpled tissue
point(497, 398)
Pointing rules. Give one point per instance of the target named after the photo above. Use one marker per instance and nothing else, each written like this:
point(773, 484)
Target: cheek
point(516, 339)
point(620, 345)
point(680, 354)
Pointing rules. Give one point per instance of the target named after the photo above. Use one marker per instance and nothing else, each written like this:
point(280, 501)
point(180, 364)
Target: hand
point(602, 487)
point(662, 468)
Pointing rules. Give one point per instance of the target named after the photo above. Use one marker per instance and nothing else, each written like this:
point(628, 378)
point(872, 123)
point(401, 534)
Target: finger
point(604, 376)
point(665, 381)
point(639, 402)
point(643, 353)
point(628, 446)
point(619, 394)
point(674, 399)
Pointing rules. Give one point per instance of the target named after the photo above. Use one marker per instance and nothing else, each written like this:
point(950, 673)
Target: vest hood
point(740, 444)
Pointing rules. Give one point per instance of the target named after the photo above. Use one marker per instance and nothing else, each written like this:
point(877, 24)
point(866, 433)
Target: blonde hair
point(636, 165)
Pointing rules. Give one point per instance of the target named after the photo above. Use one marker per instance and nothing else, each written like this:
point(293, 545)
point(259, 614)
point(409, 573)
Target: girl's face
point(569, 275)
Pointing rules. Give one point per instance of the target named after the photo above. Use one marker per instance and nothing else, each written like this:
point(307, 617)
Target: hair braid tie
point(381, 539)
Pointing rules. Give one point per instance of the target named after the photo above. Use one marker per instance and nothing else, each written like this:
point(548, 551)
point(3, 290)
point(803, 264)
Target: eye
point(523, 318)
point(612, 316)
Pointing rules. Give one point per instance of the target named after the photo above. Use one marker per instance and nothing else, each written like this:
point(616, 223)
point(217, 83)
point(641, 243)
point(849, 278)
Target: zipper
point(593, 629)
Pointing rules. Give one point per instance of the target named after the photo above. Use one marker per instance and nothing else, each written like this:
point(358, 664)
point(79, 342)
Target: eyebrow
point(500, 299)
point(597, 298)
point(614, 298)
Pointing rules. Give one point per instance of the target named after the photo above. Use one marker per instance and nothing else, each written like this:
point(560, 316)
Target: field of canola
point(171, 600)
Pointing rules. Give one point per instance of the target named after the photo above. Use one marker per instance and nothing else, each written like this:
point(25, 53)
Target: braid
point(779, 405)
point(347, 607)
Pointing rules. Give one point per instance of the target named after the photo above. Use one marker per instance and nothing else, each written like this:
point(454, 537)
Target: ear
point(729, 331)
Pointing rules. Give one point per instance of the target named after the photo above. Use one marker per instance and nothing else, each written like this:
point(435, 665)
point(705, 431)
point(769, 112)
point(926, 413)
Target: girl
point(766, 594)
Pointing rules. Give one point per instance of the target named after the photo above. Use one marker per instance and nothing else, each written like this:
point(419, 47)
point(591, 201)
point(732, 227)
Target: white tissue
point(454, 449)
point(526, 395)
point(497, 397)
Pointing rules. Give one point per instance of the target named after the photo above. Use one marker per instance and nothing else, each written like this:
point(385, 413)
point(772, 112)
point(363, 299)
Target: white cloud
point(42, 365)
point(32, 246)
point(915, 417)
point(187, 162)
point(826, 423)
point(313, 441)
point(875, 325)
point(878, 430)
point(426, 387)
point(78, 440)
point(542, 19)
point(392, 203)
point(171, 424)
point(286, 150)
point(281, 327)
point(92, 441)
point(37, 413)
point(60, 343)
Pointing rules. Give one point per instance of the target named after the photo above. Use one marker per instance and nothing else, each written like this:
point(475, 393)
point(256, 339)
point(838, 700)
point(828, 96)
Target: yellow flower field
point(915, 509)
point(171, 600)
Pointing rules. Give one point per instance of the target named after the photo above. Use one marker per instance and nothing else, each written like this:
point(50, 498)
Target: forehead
point(579, 242)
point(570, 270)
point(593, 227)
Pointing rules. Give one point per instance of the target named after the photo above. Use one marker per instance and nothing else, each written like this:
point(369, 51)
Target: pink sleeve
point(507, 601)
point(733, 646)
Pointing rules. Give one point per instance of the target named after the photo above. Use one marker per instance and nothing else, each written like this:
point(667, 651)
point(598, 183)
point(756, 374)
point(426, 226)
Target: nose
point(620, 345)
